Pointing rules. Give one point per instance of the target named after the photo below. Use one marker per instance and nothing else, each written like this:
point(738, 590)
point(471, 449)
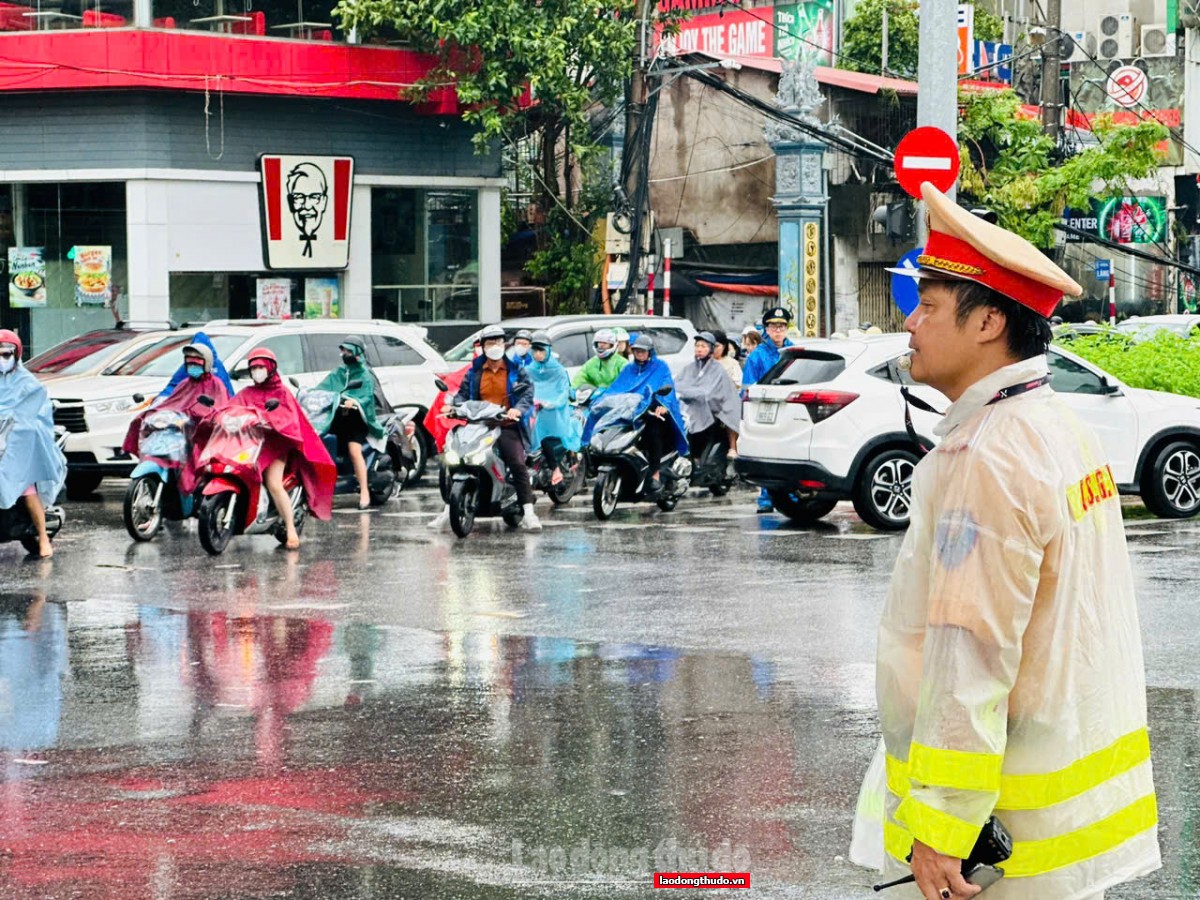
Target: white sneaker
point(530, 521)
point(442, 522)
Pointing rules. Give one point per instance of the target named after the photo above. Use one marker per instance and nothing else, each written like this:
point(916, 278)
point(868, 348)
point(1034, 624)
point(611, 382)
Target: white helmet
point(604, 336)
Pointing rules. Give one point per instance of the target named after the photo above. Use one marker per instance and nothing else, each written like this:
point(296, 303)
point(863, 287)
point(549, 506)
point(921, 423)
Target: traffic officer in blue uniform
point(775, 323)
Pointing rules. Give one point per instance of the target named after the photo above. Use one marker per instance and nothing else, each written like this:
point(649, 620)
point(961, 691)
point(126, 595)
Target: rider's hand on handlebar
point(660, 411)
point(350, 403)
point(512, 415)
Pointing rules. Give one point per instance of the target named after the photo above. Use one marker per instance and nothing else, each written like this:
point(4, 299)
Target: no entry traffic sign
point(926, 154)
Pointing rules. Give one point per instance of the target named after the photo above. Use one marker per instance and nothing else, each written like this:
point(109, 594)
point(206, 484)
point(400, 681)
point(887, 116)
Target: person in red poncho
point(292, 439)
point(437, 423)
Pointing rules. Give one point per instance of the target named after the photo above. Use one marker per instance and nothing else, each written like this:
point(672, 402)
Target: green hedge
point(1165, 362)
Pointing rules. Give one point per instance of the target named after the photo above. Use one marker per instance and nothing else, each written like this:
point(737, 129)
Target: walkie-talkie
point(994, 845)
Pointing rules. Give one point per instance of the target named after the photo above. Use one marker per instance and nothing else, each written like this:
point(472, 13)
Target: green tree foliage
point(571, 53)
point(569, 261)
point(862, 36)
point(1166, 362)
point(1011, 167)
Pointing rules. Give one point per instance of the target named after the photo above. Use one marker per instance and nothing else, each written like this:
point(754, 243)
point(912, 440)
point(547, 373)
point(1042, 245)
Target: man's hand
point(938, 876)
point(660, 411)
point(349, 403)
point(512, 415)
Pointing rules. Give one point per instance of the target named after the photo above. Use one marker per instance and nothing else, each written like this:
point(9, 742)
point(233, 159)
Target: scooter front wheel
point(143, 507)
point(464, 500)
point(606, 494)
point(216, 521)
point(570, 486)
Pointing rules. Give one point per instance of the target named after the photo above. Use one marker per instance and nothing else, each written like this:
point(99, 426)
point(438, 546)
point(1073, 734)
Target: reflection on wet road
point(508, 717)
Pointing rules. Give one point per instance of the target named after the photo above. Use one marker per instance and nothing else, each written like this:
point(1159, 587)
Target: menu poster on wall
point(274, 298)
point(321, 299)
point(26, 277)
point(93, 275)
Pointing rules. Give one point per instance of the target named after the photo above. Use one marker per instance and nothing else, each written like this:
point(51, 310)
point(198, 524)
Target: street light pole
point(1051, 60)
point(937, 75)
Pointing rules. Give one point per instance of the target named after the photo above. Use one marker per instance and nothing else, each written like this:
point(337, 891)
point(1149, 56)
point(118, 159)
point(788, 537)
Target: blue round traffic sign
point(904, 287)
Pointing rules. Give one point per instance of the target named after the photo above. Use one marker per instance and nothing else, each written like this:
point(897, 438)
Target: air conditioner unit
point(1080, 48)
point(1116, 36)
point(1157, 41)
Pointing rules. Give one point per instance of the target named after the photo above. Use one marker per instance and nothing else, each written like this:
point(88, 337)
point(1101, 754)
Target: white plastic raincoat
point(1010, 676)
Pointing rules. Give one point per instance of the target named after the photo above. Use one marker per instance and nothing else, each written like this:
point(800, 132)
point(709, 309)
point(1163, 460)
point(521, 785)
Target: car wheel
point(883, 494)
point(82, 484)
point(799, 510)
point(1171, 489)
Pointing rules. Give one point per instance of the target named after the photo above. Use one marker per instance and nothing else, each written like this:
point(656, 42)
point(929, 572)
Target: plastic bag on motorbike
point(320, 407)
point(237, 437)
point(616, 409)
point(165, 435)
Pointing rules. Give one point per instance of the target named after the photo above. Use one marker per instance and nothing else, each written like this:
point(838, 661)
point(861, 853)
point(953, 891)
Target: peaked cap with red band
point(962, 245)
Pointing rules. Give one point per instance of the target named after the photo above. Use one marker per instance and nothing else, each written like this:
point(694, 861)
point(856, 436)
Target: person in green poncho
point(355, 421)
point(602, 369)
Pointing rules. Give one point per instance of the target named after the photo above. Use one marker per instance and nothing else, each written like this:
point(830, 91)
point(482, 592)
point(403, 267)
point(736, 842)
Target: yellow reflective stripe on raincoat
point(1040, 791)
point(1036, 791)
point(954, 768)
point(943, 832)
point(1031, 858)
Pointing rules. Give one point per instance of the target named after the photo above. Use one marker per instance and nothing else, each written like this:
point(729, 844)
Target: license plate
point(767, 410)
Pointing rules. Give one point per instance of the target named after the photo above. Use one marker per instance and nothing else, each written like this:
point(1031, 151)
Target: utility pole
point(633, 160)
point(1051, 61)
point(937, 75)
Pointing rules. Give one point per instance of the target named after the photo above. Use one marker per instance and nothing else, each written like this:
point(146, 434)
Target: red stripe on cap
point(341, 199)
point(1029, 292)
point(274, 188)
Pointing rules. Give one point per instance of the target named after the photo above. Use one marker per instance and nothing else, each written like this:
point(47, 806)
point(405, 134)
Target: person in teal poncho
point(552, 400)
point(354, 421)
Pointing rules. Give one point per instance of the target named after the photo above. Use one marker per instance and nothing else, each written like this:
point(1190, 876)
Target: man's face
point(492, 343)
point(540, 353)
point(703, 350)
point(308, 198)
point(777, 332)
point(640, 355)
point(521, 347)
point(940, 350)
point(602, 347)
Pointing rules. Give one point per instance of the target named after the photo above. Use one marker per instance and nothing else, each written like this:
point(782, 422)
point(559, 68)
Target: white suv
point(827, 424)
point(97, 409)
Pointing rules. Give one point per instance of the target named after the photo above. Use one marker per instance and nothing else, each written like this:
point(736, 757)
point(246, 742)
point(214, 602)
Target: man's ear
point(992, 325)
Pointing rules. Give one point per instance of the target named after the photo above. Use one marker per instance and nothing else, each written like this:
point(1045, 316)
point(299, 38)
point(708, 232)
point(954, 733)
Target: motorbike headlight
point(451, 458)
point(477, 458)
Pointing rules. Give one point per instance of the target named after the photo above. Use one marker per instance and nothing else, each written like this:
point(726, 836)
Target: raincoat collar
point(978, 395)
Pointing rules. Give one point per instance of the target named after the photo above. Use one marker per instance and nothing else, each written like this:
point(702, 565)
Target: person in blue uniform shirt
point(775, 323)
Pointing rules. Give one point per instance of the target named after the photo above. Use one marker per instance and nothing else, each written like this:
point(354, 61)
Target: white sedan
point(827, 424)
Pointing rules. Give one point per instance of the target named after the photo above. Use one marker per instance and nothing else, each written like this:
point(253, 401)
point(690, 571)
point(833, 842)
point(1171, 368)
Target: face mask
point(7, 364)
point(349, 358)
point(258, 374)
point(494, 352)
point(195, 371)
point(521, 349)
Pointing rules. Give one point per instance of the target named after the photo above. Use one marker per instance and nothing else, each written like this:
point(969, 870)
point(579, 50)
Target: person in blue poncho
point(32, 468)
point(181, 374)
point(645, 374)
point(554, 421)
point(758, 363)
point(521, 351)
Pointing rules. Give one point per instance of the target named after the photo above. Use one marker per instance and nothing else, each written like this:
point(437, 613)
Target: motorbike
point(154, 494)
point(713, 469)
point(542, 466)
point(389, 466)
point(234, 498)
point(622, 471)
point(477, 475)
point(15, 523)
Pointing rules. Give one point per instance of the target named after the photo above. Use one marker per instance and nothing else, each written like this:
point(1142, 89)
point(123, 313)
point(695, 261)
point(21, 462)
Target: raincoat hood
point(201, 341)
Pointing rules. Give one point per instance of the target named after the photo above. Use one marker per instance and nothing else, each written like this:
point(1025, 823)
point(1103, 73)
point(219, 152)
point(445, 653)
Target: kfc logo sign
point(306, 211)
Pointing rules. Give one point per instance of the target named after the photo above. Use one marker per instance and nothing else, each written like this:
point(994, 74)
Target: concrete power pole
point(1051, 60)
point(633, 161)
point(937, 75)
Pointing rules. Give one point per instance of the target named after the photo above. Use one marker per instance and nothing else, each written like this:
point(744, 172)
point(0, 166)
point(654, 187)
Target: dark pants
point(657, 439)
point(512, 450)
point(699, 441)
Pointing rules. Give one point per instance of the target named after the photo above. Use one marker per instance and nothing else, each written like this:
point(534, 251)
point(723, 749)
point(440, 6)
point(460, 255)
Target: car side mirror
point(441, 385)
point(241, 373)
point(1109, 389)
point(664, 390)
point(272, 405)
point(139, 398)
point(293, 382)
point(205, 400)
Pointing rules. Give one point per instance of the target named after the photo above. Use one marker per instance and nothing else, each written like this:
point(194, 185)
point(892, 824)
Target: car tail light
point(822, 404)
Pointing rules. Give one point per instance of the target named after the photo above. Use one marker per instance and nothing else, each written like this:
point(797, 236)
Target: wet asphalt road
point(396, 714)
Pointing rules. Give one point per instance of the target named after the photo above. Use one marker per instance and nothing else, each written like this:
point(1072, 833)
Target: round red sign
point(1127, 86)
point(926, 154)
